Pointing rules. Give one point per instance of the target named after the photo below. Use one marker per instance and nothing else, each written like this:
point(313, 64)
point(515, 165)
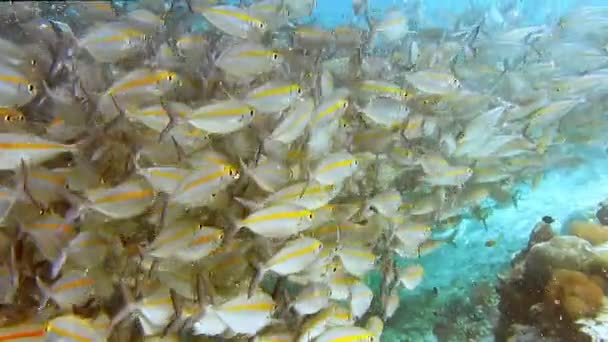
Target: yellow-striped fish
point(16, 87)
point(245, 315)
point(357, 260)
point(274, 96)
point(222, 117)
point(29, 148)
point(335, 168)
point(340, 334)
point(71, 328)
point(235, 21)
point(278, 221)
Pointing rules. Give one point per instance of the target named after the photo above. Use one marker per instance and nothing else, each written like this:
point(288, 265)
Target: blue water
point(534, 12)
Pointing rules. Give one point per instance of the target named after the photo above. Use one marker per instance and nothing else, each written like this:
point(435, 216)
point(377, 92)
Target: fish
point(346, 333)
point(128, 199)
point(247, 315)
point(235, 21)
point(222, 117)
point(411, 276)
point(278, 221)
point(312, 299)
point(274, 96)
point(71, 328)
point(17, 148)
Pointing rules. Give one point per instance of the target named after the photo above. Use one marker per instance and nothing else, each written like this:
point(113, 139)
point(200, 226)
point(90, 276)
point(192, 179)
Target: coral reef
point(596, 234)
point(573, 293)
point(553, 282)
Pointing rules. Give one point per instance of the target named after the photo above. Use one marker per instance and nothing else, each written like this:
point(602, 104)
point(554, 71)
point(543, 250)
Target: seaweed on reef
point(574, 294)
point(553, 283)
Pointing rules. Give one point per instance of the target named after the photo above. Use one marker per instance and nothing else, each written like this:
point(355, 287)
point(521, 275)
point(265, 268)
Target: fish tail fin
point(57, 264)
point(45, 292)
point(129, 307)
point(12, 267)
point(452, 238)
point(249, 204)
point(255, 280)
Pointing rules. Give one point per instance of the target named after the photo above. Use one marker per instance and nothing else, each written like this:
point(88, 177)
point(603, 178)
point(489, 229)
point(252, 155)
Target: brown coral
point(595, 233)
point(573, 294)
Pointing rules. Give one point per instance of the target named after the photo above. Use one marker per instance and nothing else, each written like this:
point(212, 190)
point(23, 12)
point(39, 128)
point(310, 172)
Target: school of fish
point(195, 169)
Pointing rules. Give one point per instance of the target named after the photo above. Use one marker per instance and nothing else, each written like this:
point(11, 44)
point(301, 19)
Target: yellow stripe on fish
point(150, 80)
point(303, 251)
point(278, 216)
point(125, 196)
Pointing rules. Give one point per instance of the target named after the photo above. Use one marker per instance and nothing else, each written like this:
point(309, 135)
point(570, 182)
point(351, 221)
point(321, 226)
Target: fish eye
point(299, 91)
point(221, 236)
point(310, 216)
point(344, 104)
point(261, 25)
point(558, 89)
point(200, 226)
point(170, 78)
point(460, 136)
point(405, 94)
point(213, 195)
point(320, 246)
point(275, 56)
point(31, 88)
point(469, 170)
point(33, 62)
point(252, 112)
